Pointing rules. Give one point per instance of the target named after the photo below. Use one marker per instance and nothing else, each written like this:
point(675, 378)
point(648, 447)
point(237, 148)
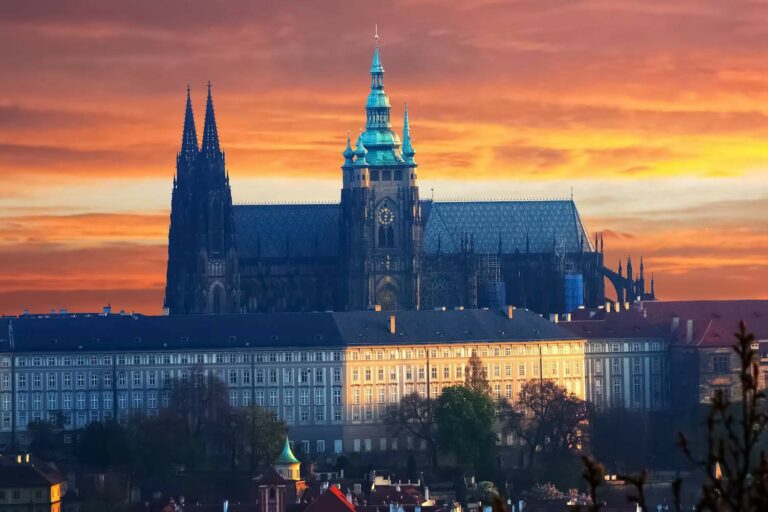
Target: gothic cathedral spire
point(189, 135)
point(203, 273)
point(210, 147)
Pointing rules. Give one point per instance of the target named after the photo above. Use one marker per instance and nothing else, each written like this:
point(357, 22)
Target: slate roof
point(625, 324)
point(309, 230)
point(486, 221)
point(180, 332)
point(272, 330)
point(280, 230)
point(457, 326)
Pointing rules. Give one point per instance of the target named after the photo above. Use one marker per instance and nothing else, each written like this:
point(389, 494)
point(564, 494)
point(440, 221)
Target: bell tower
point(380, 209)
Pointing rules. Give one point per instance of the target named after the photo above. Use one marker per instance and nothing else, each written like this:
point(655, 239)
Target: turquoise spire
point(287, 456)
point(360, 152)
point(381, 142)
point(408, 151)
point(376, 67)
point(377, 107)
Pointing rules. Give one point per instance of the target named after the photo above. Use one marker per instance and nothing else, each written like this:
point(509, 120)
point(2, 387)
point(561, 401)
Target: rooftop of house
point(332, 500)
point(599, 324)
point(712, 322)
point(26, 472)
point(268, 330)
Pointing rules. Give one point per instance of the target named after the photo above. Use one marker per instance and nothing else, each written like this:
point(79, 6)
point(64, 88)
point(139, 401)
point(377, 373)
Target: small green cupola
point(360, 152)
point(349, 153)
point(287, 465)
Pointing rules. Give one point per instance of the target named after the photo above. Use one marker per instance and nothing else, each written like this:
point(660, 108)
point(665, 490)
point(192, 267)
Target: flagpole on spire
point(376, 34)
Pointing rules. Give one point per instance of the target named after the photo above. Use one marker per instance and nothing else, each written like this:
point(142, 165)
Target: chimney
point(566, 317)
point(608, 305)
point(392, 329)
point(689, 331)
point(510, 311)
point(553, 318)
point(377, 307)
point(626, 305)
point(106, 310)
point(675, 323)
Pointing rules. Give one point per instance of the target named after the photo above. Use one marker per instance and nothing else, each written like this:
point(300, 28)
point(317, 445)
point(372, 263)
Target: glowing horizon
point(654, 114)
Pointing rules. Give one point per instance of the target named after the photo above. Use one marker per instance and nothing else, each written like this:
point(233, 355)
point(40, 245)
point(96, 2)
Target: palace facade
point(330, 376)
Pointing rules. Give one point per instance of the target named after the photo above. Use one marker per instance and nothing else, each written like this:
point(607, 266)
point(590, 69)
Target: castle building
point(382, 245)
point(331, 376)
point(626, 358)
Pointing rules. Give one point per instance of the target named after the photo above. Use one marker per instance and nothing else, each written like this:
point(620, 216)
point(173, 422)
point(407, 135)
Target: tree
point(735, 465)
point(264, 435)
point(475, 376)
point(547, 418)
point(199, 408)
point(413, 416)
point(45, 439)
point(464, 419)
point(104, 445)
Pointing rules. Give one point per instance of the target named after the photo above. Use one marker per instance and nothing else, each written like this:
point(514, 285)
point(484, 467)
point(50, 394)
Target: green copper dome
point(287, 457)
point(382, 143)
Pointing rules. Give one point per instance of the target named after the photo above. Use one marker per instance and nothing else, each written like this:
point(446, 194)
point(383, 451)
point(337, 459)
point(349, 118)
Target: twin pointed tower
point(202, 274)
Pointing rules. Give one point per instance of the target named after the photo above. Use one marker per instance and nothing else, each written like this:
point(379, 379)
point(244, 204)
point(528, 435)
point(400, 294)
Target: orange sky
point(656, 113)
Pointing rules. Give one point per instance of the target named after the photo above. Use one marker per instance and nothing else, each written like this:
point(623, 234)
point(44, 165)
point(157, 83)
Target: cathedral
point(381, 247)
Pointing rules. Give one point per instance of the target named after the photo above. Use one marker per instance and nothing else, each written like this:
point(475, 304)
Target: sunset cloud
point(654, 112)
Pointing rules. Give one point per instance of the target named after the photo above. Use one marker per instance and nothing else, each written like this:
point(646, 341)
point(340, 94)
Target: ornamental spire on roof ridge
point(210, 146)
point(189, 135)
point(408, 151)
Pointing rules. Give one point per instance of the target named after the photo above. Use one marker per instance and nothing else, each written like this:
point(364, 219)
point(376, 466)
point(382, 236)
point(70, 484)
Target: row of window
point(286, 357)
point(637, 394)
point(461, 352)
point(616, 365)
point(624, 347)
point(103, 399)
point(448, 372)
point(169, 358)
point(137, 378)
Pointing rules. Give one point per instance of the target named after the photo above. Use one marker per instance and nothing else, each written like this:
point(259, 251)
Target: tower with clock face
point(380, 224)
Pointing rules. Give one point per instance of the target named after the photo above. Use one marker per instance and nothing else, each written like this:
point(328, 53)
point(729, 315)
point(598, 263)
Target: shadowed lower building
point(703, 336)
point(382, 244)
point(29, 485)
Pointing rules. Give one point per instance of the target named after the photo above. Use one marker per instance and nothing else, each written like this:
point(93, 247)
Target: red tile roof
point(714, 321)
point(331, 500)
